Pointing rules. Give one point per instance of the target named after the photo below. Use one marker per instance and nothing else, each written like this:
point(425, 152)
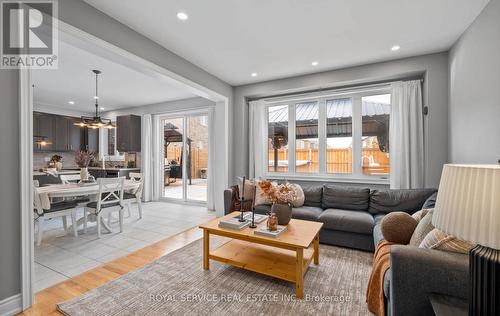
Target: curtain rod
point(340, 88)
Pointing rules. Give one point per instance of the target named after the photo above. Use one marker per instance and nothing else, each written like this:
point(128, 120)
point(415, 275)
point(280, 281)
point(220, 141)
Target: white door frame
point(26, 145)
point(184, 115)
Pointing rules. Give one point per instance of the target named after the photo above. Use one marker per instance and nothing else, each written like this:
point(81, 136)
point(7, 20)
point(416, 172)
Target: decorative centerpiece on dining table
point(83, 158)
point(56, 162)
point(281, 196)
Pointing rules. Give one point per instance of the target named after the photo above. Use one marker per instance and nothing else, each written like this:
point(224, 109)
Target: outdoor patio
point(196, 191)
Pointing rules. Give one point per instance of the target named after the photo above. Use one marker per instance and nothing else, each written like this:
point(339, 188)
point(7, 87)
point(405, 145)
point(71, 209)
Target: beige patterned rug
point(176, 284)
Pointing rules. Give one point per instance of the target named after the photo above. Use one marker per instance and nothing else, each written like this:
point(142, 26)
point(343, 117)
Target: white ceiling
point(119, 86)
point(280, 38)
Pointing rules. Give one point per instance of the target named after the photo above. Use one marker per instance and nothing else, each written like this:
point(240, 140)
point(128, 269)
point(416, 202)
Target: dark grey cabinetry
point(44, 127)
point(128, 133)
point(111, 173)
point(61, 134)
point(75, 134)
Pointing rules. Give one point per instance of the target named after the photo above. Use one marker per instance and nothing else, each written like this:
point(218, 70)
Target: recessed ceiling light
point(102, 108)
point(182, 16)
point(395, 48)
point(314, 63)
point(254, 74)
point(71, 102)
point(96, 97)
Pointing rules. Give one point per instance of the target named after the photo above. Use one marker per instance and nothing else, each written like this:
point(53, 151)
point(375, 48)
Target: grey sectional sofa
point(352, 216)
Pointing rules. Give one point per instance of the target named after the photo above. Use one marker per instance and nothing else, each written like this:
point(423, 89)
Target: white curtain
point(256, 137)
point(406, 135)
point(211, 160)
point(147, 157)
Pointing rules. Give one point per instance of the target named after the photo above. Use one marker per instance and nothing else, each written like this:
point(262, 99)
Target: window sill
point(333, 178)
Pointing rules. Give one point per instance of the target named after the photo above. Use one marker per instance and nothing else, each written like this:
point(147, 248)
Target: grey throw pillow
point(424, 226)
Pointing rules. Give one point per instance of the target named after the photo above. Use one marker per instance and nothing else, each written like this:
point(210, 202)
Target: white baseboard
point(11, 305)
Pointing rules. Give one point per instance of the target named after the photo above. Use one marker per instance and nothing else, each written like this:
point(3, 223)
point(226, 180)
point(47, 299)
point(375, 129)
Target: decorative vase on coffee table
point(283, 212)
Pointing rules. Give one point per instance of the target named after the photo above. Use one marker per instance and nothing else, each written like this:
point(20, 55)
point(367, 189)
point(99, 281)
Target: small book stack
point(259, 218)
point(263, 231)
point(234, 223)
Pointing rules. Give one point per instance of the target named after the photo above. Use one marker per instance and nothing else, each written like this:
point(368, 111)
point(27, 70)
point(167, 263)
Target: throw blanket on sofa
point(375, 290)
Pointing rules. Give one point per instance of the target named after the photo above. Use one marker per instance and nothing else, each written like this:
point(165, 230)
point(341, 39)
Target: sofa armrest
point(417, 272)
point(228, 197)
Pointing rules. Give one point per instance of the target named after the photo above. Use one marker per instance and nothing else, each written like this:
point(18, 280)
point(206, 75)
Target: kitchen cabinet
point(68, 136)
point(75, 134)
point(112, 172)
point(128, 133)
point(44, 126)
point(62, 134)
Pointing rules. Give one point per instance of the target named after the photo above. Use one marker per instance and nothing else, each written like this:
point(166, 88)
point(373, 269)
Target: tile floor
point(61, 256)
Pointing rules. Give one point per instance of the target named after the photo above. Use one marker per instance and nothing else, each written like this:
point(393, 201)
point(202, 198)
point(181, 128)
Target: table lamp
point(468, 207)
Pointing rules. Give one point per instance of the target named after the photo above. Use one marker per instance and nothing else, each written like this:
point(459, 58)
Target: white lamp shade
point(468, 203)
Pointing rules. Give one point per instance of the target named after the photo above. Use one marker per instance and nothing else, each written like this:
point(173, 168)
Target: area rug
point(176, 284)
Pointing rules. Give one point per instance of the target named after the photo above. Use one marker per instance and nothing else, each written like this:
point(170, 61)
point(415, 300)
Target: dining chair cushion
point(59, 206)
point(128, 196)
point(81, 199)
point(94, 204)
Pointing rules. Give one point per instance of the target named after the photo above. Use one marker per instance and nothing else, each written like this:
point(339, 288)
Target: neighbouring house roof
point(337, 108)
point(172, 135)
point(339, 120)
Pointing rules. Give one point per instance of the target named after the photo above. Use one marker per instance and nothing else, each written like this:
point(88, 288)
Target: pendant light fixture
point(96, 121)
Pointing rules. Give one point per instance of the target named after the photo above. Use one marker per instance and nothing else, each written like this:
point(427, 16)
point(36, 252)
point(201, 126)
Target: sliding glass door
point(185, 157)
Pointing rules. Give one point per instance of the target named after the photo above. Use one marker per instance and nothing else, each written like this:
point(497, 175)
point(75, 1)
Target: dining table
point(46, 193)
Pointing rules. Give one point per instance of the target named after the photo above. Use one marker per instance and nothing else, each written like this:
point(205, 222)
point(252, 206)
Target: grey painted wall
point(90, 20)
point(10, 225)
point(434, 67)
point(475, 91)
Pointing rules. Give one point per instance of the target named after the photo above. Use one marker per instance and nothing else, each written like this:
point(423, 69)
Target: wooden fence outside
point(199, 159)
point(337, 160)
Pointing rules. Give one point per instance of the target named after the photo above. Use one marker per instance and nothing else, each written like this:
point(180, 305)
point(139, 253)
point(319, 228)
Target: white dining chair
point(74, 178)
point(128, 198)
point(109, 199)
point(58, 209)
point(69, 178)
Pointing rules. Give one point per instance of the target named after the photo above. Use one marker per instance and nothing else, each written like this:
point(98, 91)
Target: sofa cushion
point(345, 198)
point(409, 201)
point(398, 227)
point(347, 220)
point(431, 201)
point(387, 284)
point(309, 213)
point(377, 231)
point(262, 209)
point(312, 195)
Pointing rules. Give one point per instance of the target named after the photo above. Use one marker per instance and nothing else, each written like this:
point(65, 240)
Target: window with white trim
point(342, 135)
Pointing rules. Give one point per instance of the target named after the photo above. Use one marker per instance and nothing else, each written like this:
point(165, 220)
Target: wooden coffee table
point(285, 257)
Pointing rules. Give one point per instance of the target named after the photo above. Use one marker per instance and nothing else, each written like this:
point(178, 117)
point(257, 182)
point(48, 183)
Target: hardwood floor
point(46, 300)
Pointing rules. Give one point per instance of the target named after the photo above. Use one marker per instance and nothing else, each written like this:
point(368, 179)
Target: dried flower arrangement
point(56, 158)
point(282, 194)
point(83, 158)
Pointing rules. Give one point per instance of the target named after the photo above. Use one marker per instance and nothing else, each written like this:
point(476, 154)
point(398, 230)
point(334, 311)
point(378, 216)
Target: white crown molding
point(11, 305)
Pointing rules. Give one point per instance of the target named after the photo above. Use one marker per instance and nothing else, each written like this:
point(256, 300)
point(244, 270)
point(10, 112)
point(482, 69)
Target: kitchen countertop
point(38, 173)
point(113, 169)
